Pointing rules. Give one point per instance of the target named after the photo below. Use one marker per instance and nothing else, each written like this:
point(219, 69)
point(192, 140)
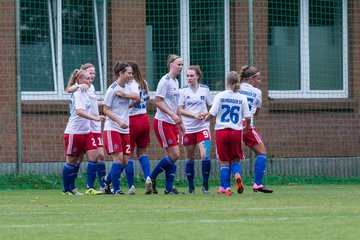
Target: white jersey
point(195, 101)
point(95, 126)
point(168, 89)
point(139, 108)
point(229, 108)
point(76, 124)
point(119, 107)
point(254, 97)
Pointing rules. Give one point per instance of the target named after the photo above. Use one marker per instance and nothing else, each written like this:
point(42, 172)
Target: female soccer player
point(230, 107)
point(249, 78)
point(116, 128)
point(166, 122)
point(95, 127)
point(139, 130)
point(78, 137)
point(194, 101)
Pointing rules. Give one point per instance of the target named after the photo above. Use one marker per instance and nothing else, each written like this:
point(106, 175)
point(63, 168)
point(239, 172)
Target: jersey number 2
point(231, 114)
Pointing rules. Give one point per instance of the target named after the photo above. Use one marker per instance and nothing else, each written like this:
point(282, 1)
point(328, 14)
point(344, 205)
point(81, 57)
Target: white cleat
point(131, 190)
point(76, 192)
point(148, 186)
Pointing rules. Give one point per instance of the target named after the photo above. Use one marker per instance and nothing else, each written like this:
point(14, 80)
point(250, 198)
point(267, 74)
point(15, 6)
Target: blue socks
point(129, 170)
point(145, 165)
point(74, 175)
point(115, 174)
point(259, 169)
point(91, 174)
point(236, 168)
point(161, 166)
point(206, 168)
point(189, 169)
point(101, 171)
point(225, 176)
point(190, 172)
point(68, 172)
point(170, 176)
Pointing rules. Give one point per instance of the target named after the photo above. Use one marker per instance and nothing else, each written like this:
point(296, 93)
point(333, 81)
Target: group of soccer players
point(127, 128)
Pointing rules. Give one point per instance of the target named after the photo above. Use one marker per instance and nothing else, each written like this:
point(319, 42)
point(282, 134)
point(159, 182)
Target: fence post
point(18, 94)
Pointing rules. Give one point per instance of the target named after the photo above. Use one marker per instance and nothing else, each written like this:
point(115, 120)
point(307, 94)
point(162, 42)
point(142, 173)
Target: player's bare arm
point(159, 103)
point(198, 115)
point(112, 116)
point(132, 96)
point(247, 126)
point(84, 114)
point(73, 88)
point(208, 117)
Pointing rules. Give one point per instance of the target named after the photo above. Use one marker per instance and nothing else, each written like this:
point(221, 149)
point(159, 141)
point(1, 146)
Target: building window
point(308, 49)
point(196, 30)
point(56, 37)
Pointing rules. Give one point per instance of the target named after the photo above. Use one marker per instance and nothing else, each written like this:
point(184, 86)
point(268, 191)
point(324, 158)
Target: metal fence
point(308, 53)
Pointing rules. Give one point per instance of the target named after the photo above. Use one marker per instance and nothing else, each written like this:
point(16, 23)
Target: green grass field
point(291, 212)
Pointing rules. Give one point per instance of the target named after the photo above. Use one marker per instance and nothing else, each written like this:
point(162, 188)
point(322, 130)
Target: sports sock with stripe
point(259, 168)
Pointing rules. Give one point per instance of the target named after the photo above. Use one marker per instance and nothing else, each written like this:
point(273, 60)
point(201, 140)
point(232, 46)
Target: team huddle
point(126, 133)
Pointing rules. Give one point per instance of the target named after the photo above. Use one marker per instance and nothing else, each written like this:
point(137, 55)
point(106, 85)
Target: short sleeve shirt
point(76, 124)
point(119, 107)
point(195, 101)
point(229, 108)
point(168, 89)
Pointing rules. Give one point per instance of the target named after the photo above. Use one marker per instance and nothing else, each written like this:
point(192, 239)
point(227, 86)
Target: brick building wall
point(288, 127)
point(8, 151)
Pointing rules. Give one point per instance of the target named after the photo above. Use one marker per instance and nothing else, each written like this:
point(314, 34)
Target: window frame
point(185, 39)
point(55, 31)
point(305, 80)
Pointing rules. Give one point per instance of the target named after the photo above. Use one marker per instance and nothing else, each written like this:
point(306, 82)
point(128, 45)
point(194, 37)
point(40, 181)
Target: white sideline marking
point(168, 210)
point(160, 210)
point(237, 220)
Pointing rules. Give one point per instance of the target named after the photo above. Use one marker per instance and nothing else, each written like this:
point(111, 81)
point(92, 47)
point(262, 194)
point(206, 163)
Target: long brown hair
point(137, 76)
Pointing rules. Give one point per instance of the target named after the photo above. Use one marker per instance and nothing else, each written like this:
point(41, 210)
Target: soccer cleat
point(148, 186)
point(76, 192)
point(239, 184)
point(228, 192)
point(92, 191)
point(191, 191)
point(221, 190)
point(131, 190)
point(172, 192)
point(205, 189)
point(119, 192)
point(107, 187)
point(177, 192)
point(261, 188)
point(67, 193)
point(153, 186)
